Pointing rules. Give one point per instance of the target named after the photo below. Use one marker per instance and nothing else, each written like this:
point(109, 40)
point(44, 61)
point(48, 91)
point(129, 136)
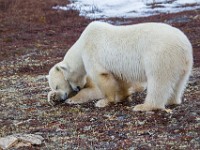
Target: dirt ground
point(33, 37)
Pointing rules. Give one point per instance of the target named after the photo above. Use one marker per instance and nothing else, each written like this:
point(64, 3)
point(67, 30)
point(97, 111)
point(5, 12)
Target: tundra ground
point(33, 37)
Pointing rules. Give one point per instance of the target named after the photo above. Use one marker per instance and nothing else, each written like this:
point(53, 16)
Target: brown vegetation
point(33, 37)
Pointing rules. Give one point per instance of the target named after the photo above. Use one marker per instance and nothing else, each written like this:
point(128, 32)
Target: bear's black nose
point(64, 97)
point(77, 89)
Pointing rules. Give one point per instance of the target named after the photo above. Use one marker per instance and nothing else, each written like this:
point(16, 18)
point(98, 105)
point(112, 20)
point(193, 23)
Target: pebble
point(8, 142)
point(20, 140)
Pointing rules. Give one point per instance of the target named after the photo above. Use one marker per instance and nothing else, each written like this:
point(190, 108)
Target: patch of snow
point(128, 8)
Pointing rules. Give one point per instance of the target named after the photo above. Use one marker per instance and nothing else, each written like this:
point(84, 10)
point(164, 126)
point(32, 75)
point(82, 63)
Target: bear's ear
point(57, 68)
point(64, 68)
point(61, 68)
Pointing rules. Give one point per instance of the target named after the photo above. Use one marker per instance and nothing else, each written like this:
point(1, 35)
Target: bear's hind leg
point(110, 87)
point(179, 89)
point(157, 95)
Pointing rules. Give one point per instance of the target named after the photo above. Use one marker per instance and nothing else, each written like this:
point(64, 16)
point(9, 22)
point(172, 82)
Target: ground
point(33, 37)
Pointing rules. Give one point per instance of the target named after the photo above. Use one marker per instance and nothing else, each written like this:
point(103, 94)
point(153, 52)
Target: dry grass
point(33, 38)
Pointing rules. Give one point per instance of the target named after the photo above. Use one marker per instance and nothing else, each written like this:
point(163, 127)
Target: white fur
point(153, 53)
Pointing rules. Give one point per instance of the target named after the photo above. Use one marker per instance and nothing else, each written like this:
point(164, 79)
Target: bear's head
point(63, 80)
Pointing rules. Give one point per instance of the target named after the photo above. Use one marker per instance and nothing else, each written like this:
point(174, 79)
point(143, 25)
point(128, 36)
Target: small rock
point(93, 119)
point(16, 123)
point(150, 113)
point(87, 128)
point(20, 140)
point(8, 142)
point(197, 119)
point(132, 148)
point(121, 118)
point(197, 17)
point(22, 144)
point(31, 138)
point(141, 122)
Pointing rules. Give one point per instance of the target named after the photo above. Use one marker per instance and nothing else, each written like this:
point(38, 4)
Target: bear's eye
point(57, 87)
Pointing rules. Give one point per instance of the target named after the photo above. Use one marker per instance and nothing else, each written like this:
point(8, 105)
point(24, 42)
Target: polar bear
point(114, 58)
point(61, 88)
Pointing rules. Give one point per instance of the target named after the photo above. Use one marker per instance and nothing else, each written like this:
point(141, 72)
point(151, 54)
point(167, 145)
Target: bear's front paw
point(53, 98)
point(146, 107)
point(142, 107)
point(102, 103)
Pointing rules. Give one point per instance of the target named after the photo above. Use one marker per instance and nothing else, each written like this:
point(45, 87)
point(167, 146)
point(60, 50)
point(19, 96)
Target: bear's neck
point(74, 57)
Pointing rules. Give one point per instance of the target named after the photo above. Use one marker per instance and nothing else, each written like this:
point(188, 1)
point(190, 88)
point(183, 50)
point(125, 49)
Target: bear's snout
point(64, 97)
